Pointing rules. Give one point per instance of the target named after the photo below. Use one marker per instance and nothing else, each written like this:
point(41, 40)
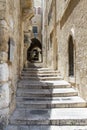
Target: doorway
point(71, 56)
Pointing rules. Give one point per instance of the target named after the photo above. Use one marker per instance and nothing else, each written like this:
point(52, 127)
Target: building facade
point(65, 41)
point(13, 14)
point(34, 53)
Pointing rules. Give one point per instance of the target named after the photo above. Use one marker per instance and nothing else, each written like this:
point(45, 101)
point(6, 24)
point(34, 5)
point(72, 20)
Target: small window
point(35, 29)
point(11, 46)
point(9, 49)
point(39, 10)
point(71, 56)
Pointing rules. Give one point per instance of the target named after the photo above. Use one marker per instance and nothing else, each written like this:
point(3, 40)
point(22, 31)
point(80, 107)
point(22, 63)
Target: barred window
point(35, 29)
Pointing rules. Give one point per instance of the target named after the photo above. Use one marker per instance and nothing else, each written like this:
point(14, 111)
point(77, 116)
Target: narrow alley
point(43, 64)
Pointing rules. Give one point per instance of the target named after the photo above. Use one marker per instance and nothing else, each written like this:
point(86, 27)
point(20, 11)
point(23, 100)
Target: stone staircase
point(46, 102)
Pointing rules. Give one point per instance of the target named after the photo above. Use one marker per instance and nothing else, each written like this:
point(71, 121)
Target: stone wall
point(49, 34)
point(37, 20)
point(44, 32)
point(10, 53)
point(12, 17)
point(71, 21)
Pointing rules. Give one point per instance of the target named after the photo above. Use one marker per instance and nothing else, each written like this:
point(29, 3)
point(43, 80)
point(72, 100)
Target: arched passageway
point(34, 52)
point(71, 56)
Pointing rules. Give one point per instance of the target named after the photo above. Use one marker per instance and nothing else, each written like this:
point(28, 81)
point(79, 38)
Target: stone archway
point(34, 52)
point(71, 56)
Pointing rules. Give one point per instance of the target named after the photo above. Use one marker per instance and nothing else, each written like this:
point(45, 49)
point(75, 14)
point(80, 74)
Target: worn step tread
point(50, 98)
point(58, 102)
point(60, 116)
point(41, 127)
point(52, 82)
point(40, 72)
point(45, 84)
point(38, 69)
point(40, 75)
point(46, 91)
point(42, 78)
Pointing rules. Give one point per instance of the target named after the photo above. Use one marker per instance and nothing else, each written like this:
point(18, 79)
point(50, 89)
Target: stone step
point(40, 72)
point(38, 69)
point(42, 98)
point(60, 116)
point(43, 85)
point(59, 102)
point(41, 78)
point(39, 75)
point(43, 127)
point(60, 92)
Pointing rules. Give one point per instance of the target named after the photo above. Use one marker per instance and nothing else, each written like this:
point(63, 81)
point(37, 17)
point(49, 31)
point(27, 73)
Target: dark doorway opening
point(71, 56)
point(34, 52)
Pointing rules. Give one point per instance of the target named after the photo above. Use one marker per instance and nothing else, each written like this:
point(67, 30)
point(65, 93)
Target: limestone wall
point(50, 33)
point(37, 20)
point(73, 22)
point(70, 20)
point(11, 49)
point(44, 33)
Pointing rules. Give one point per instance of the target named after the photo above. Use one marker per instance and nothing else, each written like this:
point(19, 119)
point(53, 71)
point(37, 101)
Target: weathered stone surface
point(4, 95)
point(4, 72)
point(4, 46)
point(35, 109)
point(11, 27)
point(1, 126)
point(3, 57)
point(67, 19)
point(3, 36)
point(2, 14)
point(3, 23)
point(49, 127)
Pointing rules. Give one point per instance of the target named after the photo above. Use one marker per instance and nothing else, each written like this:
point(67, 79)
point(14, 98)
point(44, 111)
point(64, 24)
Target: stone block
point(4, 46)
point(3, 39)
point(3, 23)
point(4, 95)
point(3, 57)
point(2, 5)
point(2, 14)
point(4, 72)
